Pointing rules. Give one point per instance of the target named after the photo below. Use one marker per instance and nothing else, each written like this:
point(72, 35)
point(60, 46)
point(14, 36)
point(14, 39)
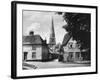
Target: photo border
point(14, 38)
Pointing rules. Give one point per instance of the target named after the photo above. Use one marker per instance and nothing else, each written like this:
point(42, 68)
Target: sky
point(40, 23)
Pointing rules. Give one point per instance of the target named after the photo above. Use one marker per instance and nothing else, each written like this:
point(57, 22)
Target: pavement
point(54, 64)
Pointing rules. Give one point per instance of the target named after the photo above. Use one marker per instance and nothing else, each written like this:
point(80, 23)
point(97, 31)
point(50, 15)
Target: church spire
point(52, 40)
point(52, 29)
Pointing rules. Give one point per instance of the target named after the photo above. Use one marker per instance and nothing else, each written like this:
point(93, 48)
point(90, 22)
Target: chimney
point(31, 33)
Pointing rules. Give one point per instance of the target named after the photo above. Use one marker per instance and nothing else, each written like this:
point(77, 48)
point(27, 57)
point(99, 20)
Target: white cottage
point(72, 51)
point(34, 48)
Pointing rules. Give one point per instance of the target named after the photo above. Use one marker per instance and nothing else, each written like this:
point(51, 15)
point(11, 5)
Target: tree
point(78, 24)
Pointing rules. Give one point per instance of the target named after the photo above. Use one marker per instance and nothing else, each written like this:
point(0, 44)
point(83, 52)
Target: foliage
point(79, 25)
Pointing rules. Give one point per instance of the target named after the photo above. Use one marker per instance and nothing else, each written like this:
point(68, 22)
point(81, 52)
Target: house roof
point(66, 39)
point(35, 39)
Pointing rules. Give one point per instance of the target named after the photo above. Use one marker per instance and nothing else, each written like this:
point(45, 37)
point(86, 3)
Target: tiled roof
point(67, 37)
point(35, 39)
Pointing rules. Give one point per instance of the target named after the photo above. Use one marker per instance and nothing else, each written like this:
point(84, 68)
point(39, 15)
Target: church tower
point(52, 40)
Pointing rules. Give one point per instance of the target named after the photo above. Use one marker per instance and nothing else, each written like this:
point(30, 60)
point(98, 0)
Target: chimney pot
point(31, 33)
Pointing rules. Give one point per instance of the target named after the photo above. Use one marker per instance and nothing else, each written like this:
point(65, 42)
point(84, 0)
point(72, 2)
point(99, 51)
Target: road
point(51, 64)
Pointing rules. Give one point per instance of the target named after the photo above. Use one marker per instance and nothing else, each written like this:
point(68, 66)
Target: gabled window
point(33, 47)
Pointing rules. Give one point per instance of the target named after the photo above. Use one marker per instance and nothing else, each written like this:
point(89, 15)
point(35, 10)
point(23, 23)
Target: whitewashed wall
point(39, 52)
point(27, 48)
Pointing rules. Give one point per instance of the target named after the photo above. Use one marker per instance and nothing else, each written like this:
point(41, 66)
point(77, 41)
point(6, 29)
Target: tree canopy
point(79, 25)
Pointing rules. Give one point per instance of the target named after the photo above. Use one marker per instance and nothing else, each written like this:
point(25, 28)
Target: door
point(25, 55)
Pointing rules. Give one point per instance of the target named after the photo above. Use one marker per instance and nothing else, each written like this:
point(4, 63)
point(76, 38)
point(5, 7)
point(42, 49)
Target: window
point(33, 47)
point(70, 45)
point(52, 40)
point(33, 54)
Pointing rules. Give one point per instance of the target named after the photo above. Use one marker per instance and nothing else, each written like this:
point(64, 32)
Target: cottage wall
point(29, 50)
point(71, 51)
point(39, 52)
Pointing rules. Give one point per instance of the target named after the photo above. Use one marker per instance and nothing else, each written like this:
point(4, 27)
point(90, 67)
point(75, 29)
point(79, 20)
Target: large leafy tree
point(78, 24)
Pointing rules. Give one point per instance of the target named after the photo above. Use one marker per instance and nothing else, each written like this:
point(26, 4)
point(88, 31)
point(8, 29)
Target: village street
point(53, 64)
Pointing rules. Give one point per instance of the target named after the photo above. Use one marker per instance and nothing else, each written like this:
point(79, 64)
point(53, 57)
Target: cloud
point(40, 23)
point(33, 27)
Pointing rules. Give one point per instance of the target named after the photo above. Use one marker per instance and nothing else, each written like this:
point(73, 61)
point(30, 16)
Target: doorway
point(25, 55)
